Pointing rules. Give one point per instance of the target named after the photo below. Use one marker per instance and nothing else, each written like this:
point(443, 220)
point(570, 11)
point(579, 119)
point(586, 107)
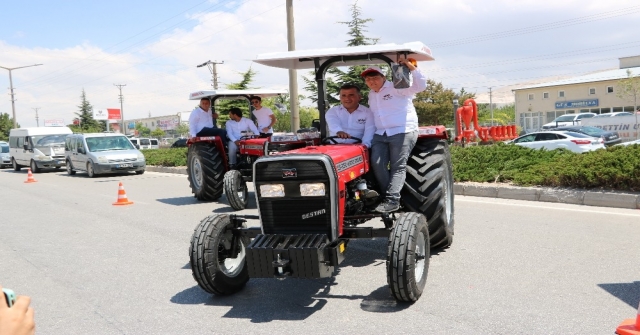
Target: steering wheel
point(332, 140)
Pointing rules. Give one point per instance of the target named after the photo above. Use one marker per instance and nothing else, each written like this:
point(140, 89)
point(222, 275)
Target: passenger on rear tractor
point(201, 122)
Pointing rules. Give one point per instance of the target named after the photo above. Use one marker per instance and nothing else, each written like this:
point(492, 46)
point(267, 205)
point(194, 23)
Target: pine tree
point(357, 28)
point(6, 124)
point(85, 116)
point(223, 105)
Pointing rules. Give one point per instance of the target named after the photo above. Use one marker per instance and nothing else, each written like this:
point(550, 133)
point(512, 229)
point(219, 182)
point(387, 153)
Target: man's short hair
point(256, 98)
point(349, 86)
point(205, 99)
point(373, 74)
point(235, 111)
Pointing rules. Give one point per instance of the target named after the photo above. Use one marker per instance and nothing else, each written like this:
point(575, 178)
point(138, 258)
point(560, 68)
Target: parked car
point(557, 139)
point(609, 137)
point(613, 114)
point(100, 153)
point(153, 144)
point(37, 147)
point(180, 143)
point(5, 156)
point(568, 120)
point(630, 143)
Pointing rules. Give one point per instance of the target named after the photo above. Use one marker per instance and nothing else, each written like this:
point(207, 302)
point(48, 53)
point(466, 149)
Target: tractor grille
point(294, 214)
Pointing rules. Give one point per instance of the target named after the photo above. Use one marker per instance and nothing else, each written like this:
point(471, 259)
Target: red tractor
point(207, 161)
point(312, 201)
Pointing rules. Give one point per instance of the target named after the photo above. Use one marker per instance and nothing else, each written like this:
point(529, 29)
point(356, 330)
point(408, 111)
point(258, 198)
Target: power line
point(214, 72)
point(37, 119)
point(124, 130)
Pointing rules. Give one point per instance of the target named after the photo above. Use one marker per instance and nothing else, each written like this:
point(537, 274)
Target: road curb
point(490, 190)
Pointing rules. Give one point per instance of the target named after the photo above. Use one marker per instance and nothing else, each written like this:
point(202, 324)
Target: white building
point(596, 93)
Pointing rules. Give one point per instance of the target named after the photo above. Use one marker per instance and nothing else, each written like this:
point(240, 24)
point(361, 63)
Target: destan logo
point(314, 213)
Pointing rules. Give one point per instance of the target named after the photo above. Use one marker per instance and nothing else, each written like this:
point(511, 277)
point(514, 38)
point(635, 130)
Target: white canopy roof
point(230, 94)
point(303, 59)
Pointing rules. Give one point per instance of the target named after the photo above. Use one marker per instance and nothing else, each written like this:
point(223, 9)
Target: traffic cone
point(630, 326)
point(122, 197)
point(30, 178)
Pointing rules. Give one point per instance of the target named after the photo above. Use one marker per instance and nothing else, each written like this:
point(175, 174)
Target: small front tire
point(140, 172)
point(91, 173)
point(408, 257)
point(236, 190)
point(211, 265)
point(16, 166)
point(34, 167)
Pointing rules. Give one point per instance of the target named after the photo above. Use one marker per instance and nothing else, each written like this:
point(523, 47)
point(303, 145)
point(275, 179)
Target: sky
point(479, 45)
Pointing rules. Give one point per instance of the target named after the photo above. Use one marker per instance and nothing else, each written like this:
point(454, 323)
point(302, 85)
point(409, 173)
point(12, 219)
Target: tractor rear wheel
point(206, 171)
point(408, 257)
point(212, 263)
point(236, 190)
point(428, 188)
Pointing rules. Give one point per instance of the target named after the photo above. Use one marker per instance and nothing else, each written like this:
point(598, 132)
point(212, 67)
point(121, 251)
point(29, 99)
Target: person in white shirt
point(350, 119)
point(396, 133)
point(235, 126)
point(264, 117)
point(201, 122)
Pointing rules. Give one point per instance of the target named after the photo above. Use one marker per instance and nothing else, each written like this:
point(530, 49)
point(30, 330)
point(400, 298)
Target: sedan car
point(180, 143)
point(551, 140)
point(568, 120)
point(5, 156)
point(609, 137)
point(613, 114)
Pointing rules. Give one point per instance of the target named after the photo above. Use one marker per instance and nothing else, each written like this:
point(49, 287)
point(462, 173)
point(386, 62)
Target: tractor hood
point(346, 158)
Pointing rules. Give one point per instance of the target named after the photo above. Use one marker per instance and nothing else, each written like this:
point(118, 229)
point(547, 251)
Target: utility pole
point(293, 74)
point(214, 71)
point(124, 130)
point(13, 100)
point(37, 119)
point(491, 105)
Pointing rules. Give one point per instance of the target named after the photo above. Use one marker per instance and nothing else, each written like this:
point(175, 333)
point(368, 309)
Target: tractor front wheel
point(408, 257)
point(236, 190)
point(213, 264)
point(206, 171)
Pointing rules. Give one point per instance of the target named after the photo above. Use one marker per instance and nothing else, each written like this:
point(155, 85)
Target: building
point(167, 123)
point(596, 93)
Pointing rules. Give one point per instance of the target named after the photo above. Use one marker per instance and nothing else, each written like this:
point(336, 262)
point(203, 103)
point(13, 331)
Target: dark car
point(180, 143)
point(609, 137)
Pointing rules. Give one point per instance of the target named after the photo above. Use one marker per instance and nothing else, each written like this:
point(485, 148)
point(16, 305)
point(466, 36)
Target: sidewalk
point(504, 191)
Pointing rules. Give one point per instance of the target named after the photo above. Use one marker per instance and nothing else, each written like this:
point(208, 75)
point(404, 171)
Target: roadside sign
point(54, 123)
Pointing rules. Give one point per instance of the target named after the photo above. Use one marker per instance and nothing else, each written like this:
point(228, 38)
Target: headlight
point(312, 190)
point(272, 190)
point(43, 158)
point(140, 157)
point(103, 159)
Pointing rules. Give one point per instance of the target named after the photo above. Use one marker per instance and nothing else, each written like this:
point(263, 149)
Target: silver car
point(102, 153)
point(5, 155)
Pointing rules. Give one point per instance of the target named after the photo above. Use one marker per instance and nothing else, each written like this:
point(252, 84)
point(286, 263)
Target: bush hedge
point(616, 168)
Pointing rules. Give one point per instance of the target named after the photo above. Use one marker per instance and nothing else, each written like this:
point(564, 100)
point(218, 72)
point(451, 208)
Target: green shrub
point(166, 156)
point(614, 168)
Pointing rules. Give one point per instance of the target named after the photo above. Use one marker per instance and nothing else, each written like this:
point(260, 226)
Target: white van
point(39, 147)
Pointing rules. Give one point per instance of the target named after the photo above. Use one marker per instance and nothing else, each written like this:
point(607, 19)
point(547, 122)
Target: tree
point(629, 88)
point(283, 119)
point(6, 124)
point(142, 130)
point(182, 129)
point(336, 78)
point(85, 116)
point(157, 133)
point(434, 105)
point(503, 116)
point(222, 106)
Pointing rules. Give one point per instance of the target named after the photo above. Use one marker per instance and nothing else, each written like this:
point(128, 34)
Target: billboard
point(54, 123)
point(107, 114)
point(114, 113)
point(168, 124)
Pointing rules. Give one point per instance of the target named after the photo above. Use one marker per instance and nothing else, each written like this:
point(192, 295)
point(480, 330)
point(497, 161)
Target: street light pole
point(13, 100)
point(293, 74)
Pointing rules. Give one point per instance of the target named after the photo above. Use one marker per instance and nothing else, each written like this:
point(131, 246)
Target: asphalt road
point(515, 267)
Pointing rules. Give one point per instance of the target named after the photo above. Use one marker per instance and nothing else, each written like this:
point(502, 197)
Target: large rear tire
point(206, 171)
point(428, 189)
point(211, 265)
point(236, 190)
point(408, 257)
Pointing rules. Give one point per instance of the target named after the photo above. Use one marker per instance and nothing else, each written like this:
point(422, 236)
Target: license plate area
point(126, 165)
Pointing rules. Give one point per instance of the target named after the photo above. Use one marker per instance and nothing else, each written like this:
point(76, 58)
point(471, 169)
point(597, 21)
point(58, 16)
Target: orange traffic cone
point(30, 178)
point(122, 197)
point(630, 326)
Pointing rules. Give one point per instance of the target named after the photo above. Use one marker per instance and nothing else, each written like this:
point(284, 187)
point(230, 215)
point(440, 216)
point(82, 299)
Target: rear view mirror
point(137, 146)
point(25, 146)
